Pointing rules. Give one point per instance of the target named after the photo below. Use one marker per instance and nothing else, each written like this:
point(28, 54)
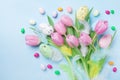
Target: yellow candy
point(60, 9)
point(66, 50)
point(82, 13)
point(111, 63)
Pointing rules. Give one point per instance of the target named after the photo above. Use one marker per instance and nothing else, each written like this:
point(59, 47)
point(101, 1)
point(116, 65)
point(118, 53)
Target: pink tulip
point(72, 41)
point(60, 28)
point(57, 38)
point(101, 26)
point(66, 20)
point(105, 41)
point(85, 39)
point(32, 40)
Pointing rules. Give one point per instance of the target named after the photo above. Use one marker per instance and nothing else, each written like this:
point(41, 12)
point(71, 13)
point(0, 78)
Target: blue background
point(16, 58)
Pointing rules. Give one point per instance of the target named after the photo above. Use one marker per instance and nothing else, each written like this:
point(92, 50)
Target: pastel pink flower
point(105, 41)
point(60, 28)
point(66, 20)
point(32, 40)
point(57, 39)
point(85, 39)
point(72, 41)
point(101, 26)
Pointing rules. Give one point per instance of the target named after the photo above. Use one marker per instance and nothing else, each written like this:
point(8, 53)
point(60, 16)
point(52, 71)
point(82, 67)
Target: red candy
point(114, 69)
point(49, 66)
point(107, 12)
point(36, 55)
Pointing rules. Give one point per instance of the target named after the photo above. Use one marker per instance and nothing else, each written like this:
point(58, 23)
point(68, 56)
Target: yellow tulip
point(66, 50)
point(82, 13)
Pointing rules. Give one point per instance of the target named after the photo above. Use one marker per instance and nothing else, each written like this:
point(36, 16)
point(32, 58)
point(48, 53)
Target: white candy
point(43, 67)
point(42, 11)
point(96, 13)
point(54, 14)
point(32, 22)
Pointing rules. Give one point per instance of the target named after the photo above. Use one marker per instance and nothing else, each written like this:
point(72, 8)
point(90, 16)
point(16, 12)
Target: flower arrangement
point(76, 41)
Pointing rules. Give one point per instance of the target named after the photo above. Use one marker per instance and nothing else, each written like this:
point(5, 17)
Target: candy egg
point(36, 55)
point(107, 12)
point(114, 69)
point(69, 9)
point(96, 13)
point(42, 11)
point(43, 67)
point(111, 63)
point(32, 22)
point(54, 14)
point(57, 72)
point(46, 50)
point(49, 66)
point(22, 30)
point(60, 9)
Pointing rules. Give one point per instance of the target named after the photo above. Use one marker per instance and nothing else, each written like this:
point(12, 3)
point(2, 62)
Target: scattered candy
point(36, 55)
point(57, 72)
point(107, 12)
point(60, 9)
point(114, 69)
point(43, 67)
point(32, 22)
point(49, 66)
point(112, 11)
point(42, 11)
point(69, 9)
point(113, 28)
point(96, 13)
point(111, 63)
point(54, 14)
point(22, 30)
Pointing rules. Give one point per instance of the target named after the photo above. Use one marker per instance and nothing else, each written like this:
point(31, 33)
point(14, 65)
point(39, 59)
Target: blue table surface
point(16, 58)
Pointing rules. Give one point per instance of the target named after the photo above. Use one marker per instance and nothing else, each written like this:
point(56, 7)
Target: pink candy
point(36, 55)
point(69, 9)
point(107, 12)
point(114, 69)
point(49, 66)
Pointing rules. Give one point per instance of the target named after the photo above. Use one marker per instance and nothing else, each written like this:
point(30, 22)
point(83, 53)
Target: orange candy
point(111, 63)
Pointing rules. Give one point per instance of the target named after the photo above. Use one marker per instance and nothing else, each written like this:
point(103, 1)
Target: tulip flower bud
point(105, 41)
point(60, 28)
point(32, 40)
point(85, 39)
point(72, 41)
point(66, 20)
point(101, 26)
point(57, 38)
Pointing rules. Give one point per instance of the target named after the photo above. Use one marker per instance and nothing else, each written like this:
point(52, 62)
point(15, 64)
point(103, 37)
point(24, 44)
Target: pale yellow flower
point(66, 50)
point(82, 13)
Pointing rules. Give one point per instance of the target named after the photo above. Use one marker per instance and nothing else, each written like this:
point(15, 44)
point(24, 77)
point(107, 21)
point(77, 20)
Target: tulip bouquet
point(76, 41)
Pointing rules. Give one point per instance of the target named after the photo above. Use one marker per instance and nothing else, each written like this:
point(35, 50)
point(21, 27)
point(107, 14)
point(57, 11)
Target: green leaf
point(69, 71)
point(88, 15)
point(96, 67)
point(50, 21)
point(70, 30)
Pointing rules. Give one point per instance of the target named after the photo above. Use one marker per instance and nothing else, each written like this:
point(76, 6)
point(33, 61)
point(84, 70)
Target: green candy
point(22, 30)
point(113, 28)
point(46, 50)
point(57, 72)
point(112, 11)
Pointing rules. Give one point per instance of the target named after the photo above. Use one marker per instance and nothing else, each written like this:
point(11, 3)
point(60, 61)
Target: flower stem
point(68, 60)
point(112, 39)
point(75, 29)
point(94, 38)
